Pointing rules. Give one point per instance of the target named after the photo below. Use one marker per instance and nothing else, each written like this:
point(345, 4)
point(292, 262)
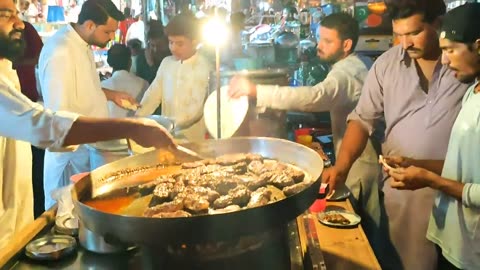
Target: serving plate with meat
point(247, 186)
point(336, 218)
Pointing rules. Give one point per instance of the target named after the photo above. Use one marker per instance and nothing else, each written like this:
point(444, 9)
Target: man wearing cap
point(411, 101)
point(454, 222)
point(70, 82)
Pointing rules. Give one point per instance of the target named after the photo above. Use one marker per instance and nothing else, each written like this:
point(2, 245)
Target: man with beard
point(27, 121)
point(412, 100)
point(456, 212)
point(69, 81)
point(338, 94)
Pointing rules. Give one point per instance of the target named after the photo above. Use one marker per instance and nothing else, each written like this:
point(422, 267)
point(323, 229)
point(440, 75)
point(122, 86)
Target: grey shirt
point(415, 124)
point(338, 93)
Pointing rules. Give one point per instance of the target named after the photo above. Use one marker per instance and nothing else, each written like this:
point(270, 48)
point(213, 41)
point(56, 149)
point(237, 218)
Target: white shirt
point(26, 121)
point(455, 225)
point(125, 81)
point(338, 93)
point(181, 88)
point(136, 30)
point(70, 82)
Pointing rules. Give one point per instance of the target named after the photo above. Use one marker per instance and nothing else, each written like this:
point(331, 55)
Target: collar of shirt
point(190, 60)
point(72, 33)
point(404, 57)
point(120, 73)
point(5, 65)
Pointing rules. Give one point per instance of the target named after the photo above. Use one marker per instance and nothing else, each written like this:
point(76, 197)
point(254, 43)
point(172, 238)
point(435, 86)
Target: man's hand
point(398, 161)
point(122, 99)
point(410, 178)
point(334, 176)
point(148, 133)
point(240, 86)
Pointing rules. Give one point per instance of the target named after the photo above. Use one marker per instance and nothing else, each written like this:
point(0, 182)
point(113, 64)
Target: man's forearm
point(88, 130)
point(447, 186)
point(353, 144)
point(435, 166)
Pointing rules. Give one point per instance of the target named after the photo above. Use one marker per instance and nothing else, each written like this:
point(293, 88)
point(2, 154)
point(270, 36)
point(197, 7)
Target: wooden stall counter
point(345, 248)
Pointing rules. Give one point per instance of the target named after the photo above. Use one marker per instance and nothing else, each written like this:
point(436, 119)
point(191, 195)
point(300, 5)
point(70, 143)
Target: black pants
point(444, 264)
point(37, 181)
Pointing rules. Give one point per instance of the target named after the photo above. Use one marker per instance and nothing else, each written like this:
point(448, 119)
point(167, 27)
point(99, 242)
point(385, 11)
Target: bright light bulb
point(215, 32)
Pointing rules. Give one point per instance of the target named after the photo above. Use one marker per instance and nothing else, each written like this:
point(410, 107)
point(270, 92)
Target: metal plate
point(340, 194)
point(352, 217)
point(52, 247)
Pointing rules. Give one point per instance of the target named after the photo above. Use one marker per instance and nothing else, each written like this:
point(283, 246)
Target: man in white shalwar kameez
point(27, 121)
point(69, 81)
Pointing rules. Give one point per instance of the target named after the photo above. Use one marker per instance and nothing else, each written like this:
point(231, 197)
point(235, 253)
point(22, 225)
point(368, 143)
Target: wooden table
point(345, 249)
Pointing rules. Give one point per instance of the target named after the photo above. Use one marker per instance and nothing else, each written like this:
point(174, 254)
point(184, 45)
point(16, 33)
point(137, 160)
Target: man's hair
point(135, 44)
point(127, 12)
point(430, 9)
point(183, 25)
point(99, 11)
point(119, 57)
point(346, 26)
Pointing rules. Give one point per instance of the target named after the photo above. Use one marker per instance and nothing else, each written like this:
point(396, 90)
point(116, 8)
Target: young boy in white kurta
point(181, 83)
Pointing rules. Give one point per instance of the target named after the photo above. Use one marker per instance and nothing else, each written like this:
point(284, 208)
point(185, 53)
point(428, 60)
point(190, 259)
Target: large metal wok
point(203, 228)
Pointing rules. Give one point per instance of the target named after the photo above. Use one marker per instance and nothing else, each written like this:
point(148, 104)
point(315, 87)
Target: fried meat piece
point(178, 187)
point(223, 202)
point(224, 184)
point(172, 206)
point(295, 174)
point(256, 167)
point(281, 180)
point(203, 192)
point(196, 204)
point(240, 195)
point(237, 168)
point(259, 197)
point(161, 193)
point(147, 188)
point(230, 159)
point(178, 213)
point(253, 182)
point(294, 189)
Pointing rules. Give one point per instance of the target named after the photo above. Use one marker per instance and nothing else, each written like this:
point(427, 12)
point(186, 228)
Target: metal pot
point(202, 228)
point(106, 152)
point(98, 244)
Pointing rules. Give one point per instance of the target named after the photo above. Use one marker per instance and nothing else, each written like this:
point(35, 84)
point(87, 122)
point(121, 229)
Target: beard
point(331, 59)
point(94, 42)
point(11, 48)
point(470, 78)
